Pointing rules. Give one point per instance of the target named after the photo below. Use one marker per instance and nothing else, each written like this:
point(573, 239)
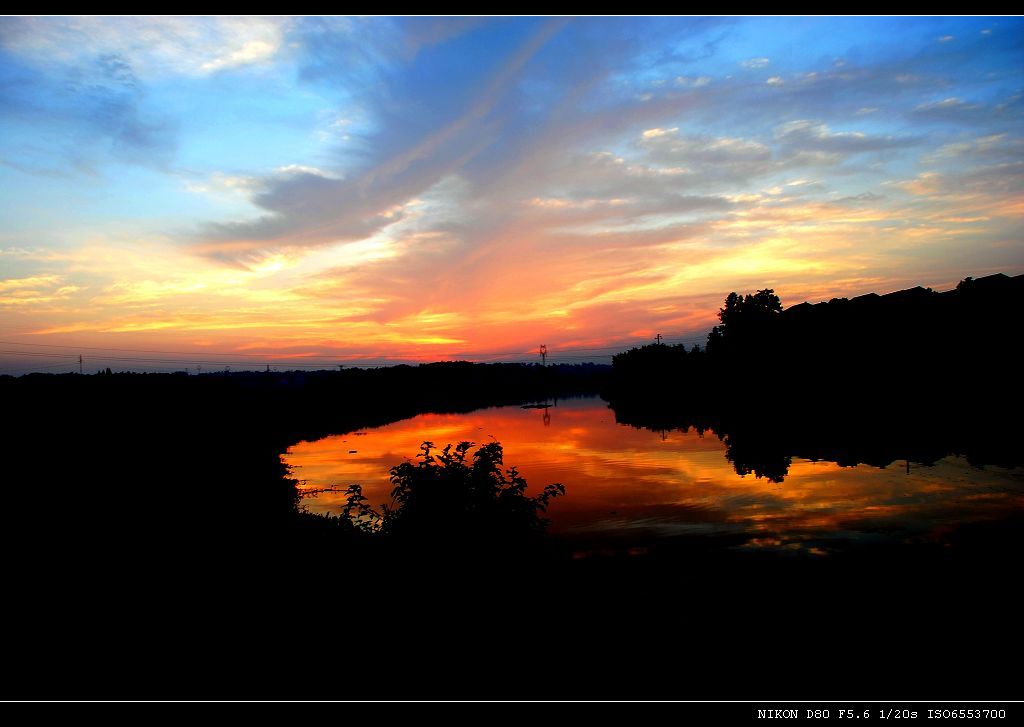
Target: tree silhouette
point(448, 496)
point(746, 321)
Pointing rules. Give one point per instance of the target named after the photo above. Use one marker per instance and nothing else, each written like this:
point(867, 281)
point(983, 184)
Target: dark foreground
point(130, 574)
point(345, 630)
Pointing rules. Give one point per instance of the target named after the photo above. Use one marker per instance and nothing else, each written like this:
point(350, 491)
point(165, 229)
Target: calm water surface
point(625, 483)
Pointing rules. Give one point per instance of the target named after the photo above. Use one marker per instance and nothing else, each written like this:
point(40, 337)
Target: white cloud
point(816, 136)
point(951, 109)
point(655, 133)
point(151, 45)
point(1000, 146)
point(302, 169)
point(947, 103)
point(755, 63)
point(252, 51)
point(691, 82)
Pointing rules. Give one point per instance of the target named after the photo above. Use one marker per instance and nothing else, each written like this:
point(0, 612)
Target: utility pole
point(79, 364)
point(658, 339)
point(543, 354)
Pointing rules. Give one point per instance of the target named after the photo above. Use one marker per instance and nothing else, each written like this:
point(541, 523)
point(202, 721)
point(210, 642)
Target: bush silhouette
point(447, 496)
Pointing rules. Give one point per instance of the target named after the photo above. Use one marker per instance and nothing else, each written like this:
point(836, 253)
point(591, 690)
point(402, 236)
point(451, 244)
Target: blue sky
point(427, 187)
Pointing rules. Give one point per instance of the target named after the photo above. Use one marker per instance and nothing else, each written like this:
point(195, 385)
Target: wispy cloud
point(153, 45)
point(416, 185)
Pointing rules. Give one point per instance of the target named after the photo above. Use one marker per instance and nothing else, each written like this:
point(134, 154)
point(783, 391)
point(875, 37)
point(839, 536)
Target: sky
point(306, 191)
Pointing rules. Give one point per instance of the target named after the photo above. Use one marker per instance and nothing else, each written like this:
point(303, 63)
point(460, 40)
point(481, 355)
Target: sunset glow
point(371, 190)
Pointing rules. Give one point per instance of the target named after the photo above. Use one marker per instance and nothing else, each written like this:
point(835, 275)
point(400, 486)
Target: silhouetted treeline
point(903, 346)
point(912, 375)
